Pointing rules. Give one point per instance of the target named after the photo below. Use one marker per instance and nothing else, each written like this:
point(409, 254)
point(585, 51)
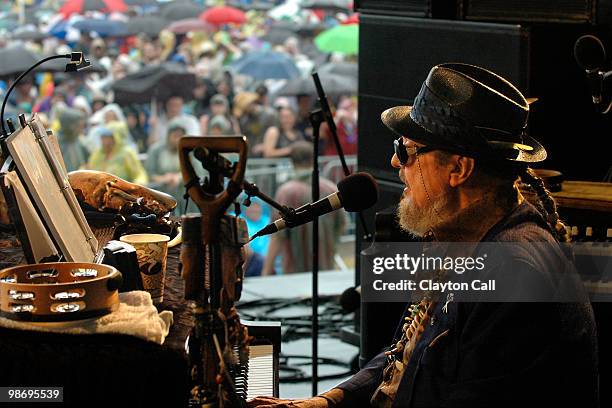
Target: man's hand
point(271, 402)
point(332, 398)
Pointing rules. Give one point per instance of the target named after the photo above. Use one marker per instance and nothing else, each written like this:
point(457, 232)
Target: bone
point(104, 191)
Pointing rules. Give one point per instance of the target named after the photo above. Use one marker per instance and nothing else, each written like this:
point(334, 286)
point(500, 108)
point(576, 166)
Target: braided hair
point(502, 177)
point(546, 203)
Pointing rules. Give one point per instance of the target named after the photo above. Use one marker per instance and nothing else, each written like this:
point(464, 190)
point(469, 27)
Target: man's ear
point(462, 169)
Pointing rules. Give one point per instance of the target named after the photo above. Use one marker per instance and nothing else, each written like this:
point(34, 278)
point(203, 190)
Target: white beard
point(419, 221)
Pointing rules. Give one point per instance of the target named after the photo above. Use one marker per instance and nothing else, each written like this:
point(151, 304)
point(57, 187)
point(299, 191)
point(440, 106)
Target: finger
point(260, 401)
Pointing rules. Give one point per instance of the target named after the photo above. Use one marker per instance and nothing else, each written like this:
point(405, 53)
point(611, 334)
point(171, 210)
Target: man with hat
point(461, 149)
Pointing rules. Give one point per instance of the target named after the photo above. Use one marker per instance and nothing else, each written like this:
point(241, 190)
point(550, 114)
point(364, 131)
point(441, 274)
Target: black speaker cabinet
point(395, 56)
point(396, 53)
point(447, 9)
point(546, 11)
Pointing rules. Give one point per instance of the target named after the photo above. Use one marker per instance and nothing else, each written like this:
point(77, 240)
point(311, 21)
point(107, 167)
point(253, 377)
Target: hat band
point(457, 134)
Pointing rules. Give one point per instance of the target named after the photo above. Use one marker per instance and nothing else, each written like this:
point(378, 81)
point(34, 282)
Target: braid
point(547, 204)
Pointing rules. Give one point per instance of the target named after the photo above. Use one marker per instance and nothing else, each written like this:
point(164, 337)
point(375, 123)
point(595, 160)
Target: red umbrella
point(79, 6)
point(223, 15)
point(352, 19)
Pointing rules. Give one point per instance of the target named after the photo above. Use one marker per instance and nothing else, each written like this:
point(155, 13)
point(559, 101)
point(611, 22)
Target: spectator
point(135, 119)
point(220, 126)
point(70, 137)
point(304, 103)
point(164, 168)
point(174, 110)
point(346, 129)
point(116, 157)
point(202, 93)
point(278, 140)
point(219, 108)
point(294, 244)
point(99, 53)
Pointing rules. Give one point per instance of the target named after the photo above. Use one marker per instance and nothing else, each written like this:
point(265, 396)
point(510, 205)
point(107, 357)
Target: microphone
point(356, 192)
point(350, 300)
point(590, 55)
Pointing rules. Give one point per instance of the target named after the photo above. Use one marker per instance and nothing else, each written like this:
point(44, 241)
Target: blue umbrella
point(266, 65)
point(59, 29)
point(104, 28)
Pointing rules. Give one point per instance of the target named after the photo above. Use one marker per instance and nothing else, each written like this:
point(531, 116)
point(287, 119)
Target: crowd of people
point(139, 142)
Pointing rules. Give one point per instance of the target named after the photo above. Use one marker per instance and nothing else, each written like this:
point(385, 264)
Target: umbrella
point(254, 5)
point(80, 6)
point(149, 25)
point(104, 28)
point(28, 34)
point(160, 82)
point(190, 24)
point(342, 38)
point(141, 2)
point(8, 24)
point(278, 34)
point(16, 59)
point(352, 19)
point(223, 15)
point(331, 5)
point(310, 29)
point(266, 65)
point(285, 11)
point(344, 69)
point(180, 10)
point(332, 85)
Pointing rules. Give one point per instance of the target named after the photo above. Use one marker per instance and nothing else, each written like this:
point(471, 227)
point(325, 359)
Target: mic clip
point(290, 216)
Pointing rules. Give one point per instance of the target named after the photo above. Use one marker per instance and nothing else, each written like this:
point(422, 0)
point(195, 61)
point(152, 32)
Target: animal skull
point(105, 191)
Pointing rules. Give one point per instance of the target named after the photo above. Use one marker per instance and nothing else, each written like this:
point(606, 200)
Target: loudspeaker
point(396, 53)
point(447, 9)
point(546, 11)
point(395, 56)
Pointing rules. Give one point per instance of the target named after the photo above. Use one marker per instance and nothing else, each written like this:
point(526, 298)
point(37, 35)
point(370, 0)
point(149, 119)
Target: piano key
point(260, 371)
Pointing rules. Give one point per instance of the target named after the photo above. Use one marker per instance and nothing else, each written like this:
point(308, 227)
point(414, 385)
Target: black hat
point(468, 110)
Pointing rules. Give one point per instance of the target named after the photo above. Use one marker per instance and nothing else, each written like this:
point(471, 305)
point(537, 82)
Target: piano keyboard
point(260, 372)
point(258, 376)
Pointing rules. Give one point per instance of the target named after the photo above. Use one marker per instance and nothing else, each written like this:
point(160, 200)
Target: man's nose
point(395, 161)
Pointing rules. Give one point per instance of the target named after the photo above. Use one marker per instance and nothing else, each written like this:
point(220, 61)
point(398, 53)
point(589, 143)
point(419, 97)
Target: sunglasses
point(405, 154)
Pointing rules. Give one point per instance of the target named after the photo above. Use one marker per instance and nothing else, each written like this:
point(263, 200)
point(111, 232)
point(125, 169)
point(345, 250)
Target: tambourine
point(58, 291)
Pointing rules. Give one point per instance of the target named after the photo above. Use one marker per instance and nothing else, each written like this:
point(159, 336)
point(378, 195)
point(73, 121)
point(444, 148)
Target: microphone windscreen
point(358, 192)
point(350, 300)
point(589, 52)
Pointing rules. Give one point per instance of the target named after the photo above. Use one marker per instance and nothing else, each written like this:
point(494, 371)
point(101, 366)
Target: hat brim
point(399, 121)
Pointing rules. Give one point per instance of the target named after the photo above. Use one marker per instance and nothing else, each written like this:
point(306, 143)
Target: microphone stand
point(316, 119)
point(251, 190)
point(329, 119)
